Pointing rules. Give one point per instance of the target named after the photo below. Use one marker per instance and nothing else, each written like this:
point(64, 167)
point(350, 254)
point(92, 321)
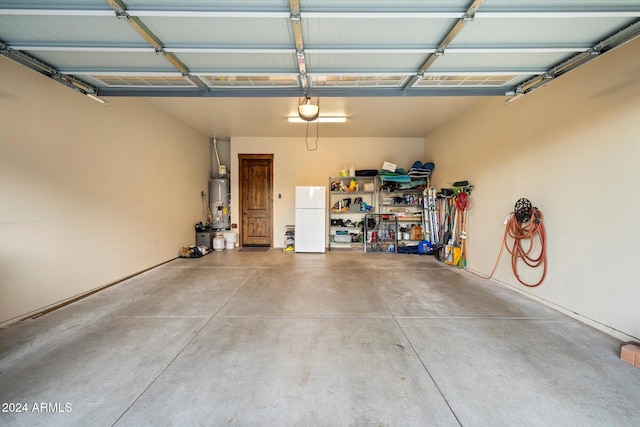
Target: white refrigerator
point(310, 219)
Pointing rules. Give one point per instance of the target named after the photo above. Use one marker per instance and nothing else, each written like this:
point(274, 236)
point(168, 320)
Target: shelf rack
point(347, 210)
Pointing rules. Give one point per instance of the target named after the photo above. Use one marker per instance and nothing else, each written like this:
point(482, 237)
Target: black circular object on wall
point(523, 210)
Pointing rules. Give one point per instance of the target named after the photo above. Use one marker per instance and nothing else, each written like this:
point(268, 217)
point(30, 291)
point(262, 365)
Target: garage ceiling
point(318, 48)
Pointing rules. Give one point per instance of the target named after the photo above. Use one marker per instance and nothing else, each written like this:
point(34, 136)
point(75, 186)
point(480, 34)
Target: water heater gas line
point(222, 169)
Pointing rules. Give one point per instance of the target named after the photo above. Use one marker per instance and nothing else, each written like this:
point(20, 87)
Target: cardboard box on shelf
point(388, 166)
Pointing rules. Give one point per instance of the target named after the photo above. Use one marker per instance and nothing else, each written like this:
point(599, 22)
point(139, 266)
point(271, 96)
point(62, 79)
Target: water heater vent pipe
point(222, 169)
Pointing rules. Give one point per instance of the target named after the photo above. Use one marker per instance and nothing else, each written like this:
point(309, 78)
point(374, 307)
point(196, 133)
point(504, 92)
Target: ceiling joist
point(121, 13)
point(296, 26)
point(453, 32)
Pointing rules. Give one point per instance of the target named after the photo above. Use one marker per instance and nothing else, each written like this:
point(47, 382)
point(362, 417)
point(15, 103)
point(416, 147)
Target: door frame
point(241, 159)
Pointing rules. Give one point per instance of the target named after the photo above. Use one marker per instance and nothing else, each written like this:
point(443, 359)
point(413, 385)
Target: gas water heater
point(219, 201)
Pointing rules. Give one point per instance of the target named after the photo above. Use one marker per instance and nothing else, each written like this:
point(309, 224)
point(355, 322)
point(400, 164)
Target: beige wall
point(89, 194)
point(573, 149)
point(294, 165)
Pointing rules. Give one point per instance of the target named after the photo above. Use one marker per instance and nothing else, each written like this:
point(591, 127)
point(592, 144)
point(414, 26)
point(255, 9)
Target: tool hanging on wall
point(432, 208)
point(462, 203)
point(445, 213)
point(452, 249)
point(453, 205)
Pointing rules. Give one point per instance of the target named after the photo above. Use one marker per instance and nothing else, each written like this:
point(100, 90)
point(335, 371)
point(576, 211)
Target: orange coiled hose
point(521, 233)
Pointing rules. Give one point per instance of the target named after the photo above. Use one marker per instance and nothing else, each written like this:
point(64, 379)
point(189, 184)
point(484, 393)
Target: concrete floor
point(336, 339)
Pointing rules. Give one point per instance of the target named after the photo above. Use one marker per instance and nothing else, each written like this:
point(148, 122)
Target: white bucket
point(231, 239)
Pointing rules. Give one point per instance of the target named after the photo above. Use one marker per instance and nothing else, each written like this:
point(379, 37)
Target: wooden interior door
point(256, 199)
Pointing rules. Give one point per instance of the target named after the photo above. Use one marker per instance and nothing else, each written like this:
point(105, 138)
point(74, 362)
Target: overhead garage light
point(319, 119)
point(308, 111)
